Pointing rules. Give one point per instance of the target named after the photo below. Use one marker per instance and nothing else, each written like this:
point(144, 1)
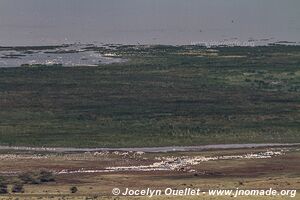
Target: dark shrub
point(46, 176)
point(18, 188)
point(36, 178)
point(29, 178)
point(3, 186)
point(73, 189)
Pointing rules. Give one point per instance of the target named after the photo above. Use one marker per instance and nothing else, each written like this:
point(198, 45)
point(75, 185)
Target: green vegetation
point(163, 95)
point(25, 178)
point(36, 177)
point(3, 186)
point(18, 188)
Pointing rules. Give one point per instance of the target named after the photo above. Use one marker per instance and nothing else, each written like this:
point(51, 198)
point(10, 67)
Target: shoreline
point(210, 44)
point(150, 149)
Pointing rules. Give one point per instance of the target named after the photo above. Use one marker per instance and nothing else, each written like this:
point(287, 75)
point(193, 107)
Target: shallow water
point(45, 22)
point(68, 56)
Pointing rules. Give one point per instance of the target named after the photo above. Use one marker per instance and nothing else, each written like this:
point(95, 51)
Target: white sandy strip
point(176, 163)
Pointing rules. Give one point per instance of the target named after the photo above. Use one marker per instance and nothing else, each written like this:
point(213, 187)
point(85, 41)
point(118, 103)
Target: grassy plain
point(163, 95)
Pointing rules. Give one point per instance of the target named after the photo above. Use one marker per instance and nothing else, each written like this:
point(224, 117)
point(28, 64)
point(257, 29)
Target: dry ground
point(278, 172)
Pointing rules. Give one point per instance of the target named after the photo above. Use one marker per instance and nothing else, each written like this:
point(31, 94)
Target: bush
point(36, 178)
point(18, 188)
point(73, 189)
point(3, 186)
point(46, 176)
point(29, 178)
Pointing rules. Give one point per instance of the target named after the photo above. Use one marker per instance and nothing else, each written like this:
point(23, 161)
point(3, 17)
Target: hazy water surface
point(40, 22)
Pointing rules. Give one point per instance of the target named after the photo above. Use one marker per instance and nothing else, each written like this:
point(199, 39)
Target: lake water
point(67, 55)
point(48, 22)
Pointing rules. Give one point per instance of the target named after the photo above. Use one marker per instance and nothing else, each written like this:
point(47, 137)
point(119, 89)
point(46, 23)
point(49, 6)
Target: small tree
point(73, 189)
